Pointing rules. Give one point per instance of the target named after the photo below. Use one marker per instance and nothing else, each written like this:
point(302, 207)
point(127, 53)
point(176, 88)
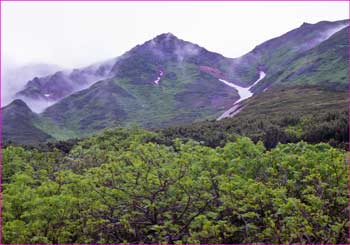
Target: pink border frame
point(0, 132)
point(347, 160)
point(173, 0)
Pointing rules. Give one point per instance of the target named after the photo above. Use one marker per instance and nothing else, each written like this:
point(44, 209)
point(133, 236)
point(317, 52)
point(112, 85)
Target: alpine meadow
point(172, 143)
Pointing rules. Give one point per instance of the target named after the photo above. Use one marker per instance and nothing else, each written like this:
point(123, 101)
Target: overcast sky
point(73, 34)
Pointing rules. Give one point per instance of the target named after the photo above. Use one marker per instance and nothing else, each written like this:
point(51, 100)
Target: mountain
point(19, 125)
point(270, 56)
point(15, 77)
point(273, 56)
point(167, 81)
point(161, 82)
point(40, 92)
point(142, 64)
point(326, 64)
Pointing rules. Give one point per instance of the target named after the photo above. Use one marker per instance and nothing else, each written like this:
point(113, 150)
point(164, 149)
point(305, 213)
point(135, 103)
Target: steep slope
point(168, 81)
point(15, 77)
point(274, 55)
point(269, 57)
point(19, 125)
point(161, 82)
point(144, 63)
point(326, 65)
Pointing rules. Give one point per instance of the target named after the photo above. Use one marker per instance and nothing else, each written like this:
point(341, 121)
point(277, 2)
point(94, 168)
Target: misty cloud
point(322, 36)
point(186, 51)
point(14, 78)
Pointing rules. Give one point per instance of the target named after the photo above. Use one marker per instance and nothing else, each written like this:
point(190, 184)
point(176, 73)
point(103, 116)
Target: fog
point(15, 77)
point(79, 33)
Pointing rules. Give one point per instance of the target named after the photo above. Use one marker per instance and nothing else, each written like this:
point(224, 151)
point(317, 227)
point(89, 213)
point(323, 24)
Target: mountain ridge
point(168, 81)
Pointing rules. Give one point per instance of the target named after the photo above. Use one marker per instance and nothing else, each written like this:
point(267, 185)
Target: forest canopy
point(128, 186)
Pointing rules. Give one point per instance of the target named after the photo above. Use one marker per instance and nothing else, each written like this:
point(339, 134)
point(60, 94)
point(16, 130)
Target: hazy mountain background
point(15, 77)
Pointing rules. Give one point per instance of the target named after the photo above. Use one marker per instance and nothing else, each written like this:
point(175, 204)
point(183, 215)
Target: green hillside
point(326, 65)
point(186, 97)
point(275, 55)
point(313, 114)
point(19, 125)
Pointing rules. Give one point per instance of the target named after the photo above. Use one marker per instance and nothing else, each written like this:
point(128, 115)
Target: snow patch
point(158, 78)
point(244, 93)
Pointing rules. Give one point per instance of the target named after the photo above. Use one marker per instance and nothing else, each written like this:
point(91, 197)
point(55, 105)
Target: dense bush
point(127, 186)
point(330, 127)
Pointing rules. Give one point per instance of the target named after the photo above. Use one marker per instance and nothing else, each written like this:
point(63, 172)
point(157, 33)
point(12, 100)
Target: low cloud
point(14, 78)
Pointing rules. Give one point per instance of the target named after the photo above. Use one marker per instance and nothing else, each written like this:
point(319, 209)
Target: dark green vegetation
point(126, 186)
point(276, 55)
point(18, 125)
point(182, 98)
point(312, 114)
point(326, 65)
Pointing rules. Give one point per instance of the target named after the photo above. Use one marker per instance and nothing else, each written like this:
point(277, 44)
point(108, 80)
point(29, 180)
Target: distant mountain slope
point(326, 64)
point(161, 82)
point(140, 65)
point(43, 91)
point(15, 77)
point(270, 56)
point(19, 125)
point(168, 81)
point(275, 54)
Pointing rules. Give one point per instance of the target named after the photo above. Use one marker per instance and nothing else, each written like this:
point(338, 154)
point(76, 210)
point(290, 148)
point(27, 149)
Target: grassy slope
point(294, 100)
point(326, 65)
point(184, 95)
point(278, 115)
point(273, 56)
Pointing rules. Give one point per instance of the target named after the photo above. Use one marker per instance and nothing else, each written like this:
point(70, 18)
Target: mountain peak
point(18, 103)
point(18, 107)
point(165, 36)
point(167, 46)
point(305, 24)
point(165, 41)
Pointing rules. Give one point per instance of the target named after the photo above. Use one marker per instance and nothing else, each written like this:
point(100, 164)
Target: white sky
point(73, 34)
